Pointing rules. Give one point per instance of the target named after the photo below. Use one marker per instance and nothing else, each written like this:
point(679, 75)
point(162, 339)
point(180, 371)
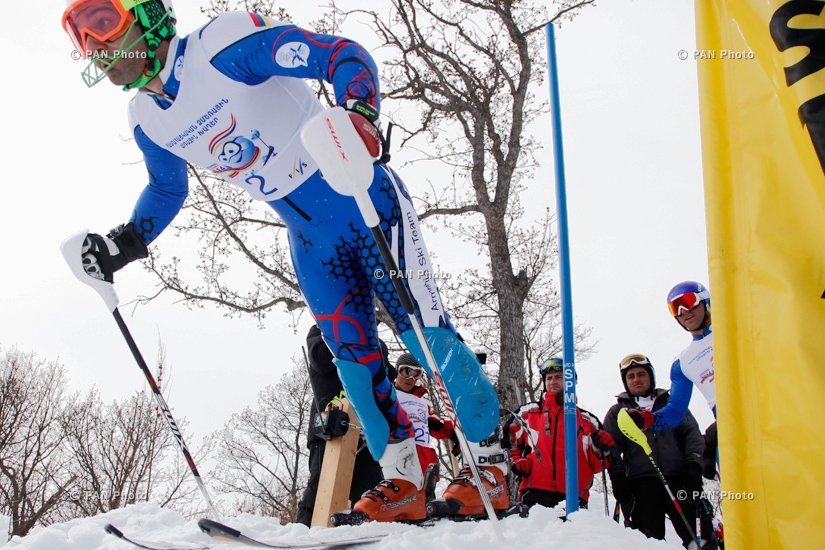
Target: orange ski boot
point(462, 498)
point(400, 497)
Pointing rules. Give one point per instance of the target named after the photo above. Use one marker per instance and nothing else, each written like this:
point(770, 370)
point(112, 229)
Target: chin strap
point(705, 322)
point(150, 71)
point(154, 35)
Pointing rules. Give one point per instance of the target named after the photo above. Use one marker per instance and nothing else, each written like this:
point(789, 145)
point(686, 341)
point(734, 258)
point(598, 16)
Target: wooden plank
point(336, 472)
point(453, 458)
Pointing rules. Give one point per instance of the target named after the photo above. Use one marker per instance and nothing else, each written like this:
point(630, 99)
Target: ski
point(224, 533)
point(441, 516)
point(449, 508)
point(146, 545)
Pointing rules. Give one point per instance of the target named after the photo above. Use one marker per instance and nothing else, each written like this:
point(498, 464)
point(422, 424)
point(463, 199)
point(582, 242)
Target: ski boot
point(400, 497)
point(461, 499)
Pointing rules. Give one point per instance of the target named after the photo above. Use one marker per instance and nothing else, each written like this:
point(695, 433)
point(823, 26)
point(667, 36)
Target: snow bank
point(586, 530)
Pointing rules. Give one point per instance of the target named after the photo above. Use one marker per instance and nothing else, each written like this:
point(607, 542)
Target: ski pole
point(333, 142)
point(530, 437)
point(604, 484)
point(71, 249)
point(633, 433)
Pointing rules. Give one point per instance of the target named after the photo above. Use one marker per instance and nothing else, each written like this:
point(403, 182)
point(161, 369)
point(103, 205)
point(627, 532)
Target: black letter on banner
point(812, 112)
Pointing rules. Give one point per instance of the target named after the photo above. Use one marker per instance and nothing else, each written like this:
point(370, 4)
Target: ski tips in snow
point(146, 545)
point(224, 533)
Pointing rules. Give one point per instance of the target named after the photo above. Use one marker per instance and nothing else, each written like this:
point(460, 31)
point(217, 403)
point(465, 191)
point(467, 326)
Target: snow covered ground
point(586, 530)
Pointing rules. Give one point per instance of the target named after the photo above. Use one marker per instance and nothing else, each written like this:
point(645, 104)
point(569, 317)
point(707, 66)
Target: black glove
point(102, 256)
point(693, 481)
point(643, 419)
point(370, 113)
point(621, 487)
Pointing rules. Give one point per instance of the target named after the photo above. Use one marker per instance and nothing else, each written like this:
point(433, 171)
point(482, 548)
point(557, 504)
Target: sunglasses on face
point(413, 373)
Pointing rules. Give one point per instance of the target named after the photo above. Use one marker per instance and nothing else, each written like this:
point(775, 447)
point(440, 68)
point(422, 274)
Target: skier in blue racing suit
point(231, 98)
point(689, 303)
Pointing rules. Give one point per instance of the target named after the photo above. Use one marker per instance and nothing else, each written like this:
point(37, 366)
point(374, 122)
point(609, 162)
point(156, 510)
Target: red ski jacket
point(546, 424)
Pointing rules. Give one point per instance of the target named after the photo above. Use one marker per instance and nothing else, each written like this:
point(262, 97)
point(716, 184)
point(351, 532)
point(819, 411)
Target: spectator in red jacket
point(543, 482)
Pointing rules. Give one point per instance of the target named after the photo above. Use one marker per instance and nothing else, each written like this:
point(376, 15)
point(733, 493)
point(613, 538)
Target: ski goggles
point(408, 371)
point(554, 364)
point(683, 303)
point(635, 359)
point(103, 20)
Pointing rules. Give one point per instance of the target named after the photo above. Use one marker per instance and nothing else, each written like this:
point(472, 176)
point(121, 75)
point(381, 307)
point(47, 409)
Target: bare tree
point(470, 67)
point(123, 453)
point(116, 450)
point(32, 473)
point(262, 456)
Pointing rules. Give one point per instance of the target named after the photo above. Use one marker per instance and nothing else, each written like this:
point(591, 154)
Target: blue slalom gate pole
point(571, 446)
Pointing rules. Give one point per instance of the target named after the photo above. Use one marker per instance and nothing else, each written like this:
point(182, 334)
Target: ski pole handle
point(72, 249)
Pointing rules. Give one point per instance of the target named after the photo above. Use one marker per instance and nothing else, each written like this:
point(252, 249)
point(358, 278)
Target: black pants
point(548, 499)
point(366, 475)
point(653, 502)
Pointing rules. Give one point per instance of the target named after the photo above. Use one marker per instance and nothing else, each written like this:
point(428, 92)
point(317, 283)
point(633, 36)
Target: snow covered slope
point(587, 530)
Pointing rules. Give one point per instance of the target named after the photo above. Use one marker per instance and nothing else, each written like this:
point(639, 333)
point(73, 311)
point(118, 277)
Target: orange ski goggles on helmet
point(101, 19)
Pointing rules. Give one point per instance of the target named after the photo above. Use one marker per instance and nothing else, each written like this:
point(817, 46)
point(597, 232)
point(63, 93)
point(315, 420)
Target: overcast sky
point(632, 150)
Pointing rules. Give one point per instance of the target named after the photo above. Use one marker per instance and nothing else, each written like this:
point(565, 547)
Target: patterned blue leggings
point(340, 270)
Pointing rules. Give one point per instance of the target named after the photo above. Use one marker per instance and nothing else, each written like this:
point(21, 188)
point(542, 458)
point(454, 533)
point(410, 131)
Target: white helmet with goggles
point(107, 20)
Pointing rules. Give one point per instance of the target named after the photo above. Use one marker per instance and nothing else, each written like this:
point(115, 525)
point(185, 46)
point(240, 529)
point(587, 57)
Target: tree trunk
point(510, 313)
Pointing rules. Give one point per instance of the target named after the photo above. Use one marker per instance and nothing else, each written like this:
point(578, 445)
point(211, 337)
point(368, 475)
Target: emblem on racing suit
point(292, 54)
point(238, 154)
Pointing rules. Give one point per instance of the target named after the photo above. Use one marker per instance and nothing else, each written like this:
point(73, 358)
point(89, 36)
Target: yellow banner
point(761, 70)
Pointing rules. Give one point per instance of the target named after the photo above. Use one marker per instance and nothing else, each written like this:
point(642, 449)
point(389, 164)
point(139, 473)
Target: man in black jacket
point(677, 452)
point(327, 388)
